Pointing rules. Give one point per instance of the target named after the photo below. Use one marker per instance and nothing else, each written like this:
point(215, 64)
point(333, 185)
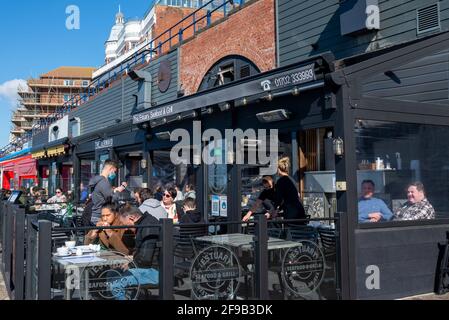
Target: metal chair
point(301, 233)
point(185, 248)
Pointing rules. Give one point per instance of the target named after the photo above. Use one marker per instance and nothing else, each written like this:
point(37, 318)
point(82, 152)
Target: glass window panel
point(392, 155)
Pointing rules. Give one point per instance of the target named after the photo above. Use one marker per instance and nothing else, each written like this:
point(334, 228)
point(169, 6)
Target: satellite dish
point(164, 76)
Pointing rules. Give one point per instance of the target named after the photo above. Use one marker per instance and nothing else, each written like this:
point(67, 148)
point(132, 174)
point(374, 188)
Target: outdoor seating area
point(47, 259)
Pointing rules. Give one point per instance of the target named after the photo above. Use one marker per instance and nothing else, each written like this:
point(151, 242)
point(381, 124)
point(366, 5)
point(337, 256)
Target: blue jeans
point(133, 278)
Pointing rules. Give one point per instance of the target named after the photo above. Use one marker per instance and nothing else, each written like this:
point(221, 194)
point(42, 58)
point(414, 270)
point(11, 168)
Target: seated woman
point(58, 198)
point(168, 203)
point(110, 239)
point(417, 207)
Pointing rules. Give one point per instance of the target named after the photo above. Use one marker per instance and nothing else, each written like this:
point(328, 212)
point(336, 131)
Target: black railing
point(29, 243)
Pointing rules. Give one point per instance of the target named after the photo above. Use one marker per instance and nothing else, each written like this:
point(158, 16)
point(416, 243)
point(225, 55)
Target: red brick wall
point(249, 32)
point(167, 17)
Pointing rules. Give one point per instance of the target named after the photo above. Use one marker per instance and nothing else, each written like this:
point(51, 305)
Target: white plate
point(62, 255)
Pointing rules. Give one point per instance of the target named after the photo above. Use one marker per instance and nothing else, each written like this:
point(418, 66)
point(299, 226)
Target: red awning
point(23, 166)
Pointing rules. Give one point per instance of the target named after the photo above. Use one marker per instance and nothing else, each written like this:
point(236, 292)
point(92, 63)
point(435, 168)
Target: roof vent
point(428, 19)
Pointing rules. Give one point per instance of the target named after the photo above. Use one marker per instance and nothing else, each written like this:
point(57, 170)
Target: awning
point(39, 154)
point(56, 151)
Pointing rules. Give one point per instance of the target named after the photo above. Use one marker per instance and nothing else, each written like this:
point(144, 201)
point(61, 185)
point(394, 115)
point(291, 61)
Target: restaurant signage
point(291, 78)
point(153, 114)
point(271, 81)
point(105, 278)
point(104, 144)
point(303, 268)
point(215, 274)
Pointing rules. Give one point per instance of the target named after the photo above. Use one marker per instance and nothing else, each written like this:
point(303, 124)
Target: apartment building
point(44, 95)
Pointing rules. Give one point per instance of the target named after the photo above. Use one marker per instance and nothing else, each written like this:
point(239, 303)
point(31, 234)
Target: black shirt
point(267, 194)
point(288, 199)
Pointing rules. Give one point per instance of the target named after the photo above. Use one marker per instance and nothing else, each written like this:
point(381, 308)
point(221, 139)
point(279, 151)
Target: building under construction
point(44, 95)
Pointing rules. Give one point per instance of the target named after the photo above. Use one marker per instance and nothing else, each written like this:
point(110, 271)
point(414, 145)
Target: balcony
point(17, 130)
point(33, 102)
point(56, 83)
point(18, 119)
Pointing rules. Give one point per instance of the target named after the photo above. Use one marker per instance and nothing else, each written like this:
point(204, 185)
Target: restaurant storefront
point(54, 166)
point(365, 120)
point(244, 105)
point(18, 172)
point(123, 143)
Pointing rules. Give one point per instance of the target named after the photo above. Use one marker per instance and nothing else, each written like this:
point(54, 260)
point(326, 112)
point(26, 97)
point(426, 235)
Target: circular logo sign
point(106, 276)
point(215, 274)
point(303, 268)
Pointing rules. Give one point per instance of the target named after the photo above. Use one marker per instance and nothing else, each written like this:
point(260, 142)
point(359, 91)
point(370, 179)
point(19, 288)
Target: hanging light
point(339, 147)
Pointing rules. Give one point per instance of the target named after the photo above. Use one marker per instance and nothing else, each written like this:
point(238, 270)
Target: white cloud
point(8, 91)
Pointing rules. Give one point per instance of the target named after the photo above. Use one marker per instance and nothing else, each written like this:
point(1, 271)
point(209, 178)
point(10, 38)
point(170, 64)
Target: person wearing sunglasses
point(168, 203)
point(59, 197)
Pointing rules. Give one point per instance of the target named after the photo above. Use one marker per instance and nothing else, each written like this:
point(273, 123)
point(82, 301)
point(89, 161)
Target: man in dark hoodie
point(146, 253)
point(150, 205)
point(189, 212)
point(102, 189)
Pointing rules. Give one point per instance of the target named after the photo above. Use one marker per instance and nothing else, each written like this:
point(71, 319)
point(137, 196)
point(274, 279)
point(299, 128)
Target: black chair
point(301, 233)
point(328, 242)
point(185, 247)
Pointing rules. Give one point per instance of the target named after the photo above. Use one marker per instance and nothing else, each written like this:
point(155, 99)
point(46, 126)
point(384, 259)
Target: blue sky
point(35, 40)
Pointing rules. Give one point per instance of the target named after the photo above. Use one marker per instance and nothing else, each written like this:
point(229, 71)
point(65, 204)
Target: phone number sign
point(298, 76)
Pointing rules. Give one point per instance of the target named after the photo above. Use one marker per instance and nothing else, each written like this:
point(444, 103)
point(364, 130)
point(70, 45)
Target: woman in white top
point(168, 203)
point(58, 198)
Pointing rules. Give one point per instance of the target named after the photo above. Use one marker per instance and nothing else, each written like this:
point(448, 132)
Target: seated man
point(417, 207)
point(145, 254)
point(372, 209)
point(189, 212)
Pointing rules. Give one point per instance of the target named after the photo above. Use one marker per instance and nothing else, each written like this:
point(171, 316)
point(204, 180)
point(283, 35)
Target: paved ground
point(430, 296)
point(3, 294)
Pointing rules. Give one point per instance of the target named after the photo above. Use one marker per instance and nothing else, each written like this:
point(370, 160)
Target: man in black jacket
point(146, 253)
point(102, 189)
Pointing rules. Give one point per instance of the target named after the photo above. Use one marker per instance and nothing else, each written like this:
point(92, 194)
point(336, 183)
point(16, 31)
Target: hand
point(125, 267)
point(268, 215)
point(247, 216)
point(375, 217)
point(109, 232)
point(119, 189)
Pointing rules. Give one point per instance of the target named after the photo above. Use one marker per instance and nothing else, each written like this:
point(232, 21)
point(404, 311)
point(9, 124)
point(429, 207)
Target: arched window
point(228, 69)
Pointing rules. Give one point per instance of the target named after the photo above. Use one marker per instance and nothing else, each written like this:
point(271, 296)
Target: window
point(85, 83)
point(75, 127)
point(68, 83)
point(391, 156)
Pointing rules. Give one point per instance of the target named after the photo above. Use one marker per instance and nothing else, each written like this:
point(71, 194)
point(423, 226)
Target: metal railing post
point(44, 261)
point(19, 255)
point(7, 249)
point(29, 259)
point(337, 216)
point(261, 263)
point(166, 261)
point(180, 34)
point(208, 18)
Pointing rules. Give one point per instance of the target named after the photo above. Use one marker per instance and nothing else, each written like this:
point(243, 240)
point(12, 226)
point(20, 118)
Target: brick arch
point(249, 33)
point(248, 54)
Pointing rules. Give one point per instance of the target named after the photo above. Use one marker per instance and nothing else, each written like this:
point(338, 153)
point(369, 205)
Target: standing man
point(372, 209)
point(101, 187)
